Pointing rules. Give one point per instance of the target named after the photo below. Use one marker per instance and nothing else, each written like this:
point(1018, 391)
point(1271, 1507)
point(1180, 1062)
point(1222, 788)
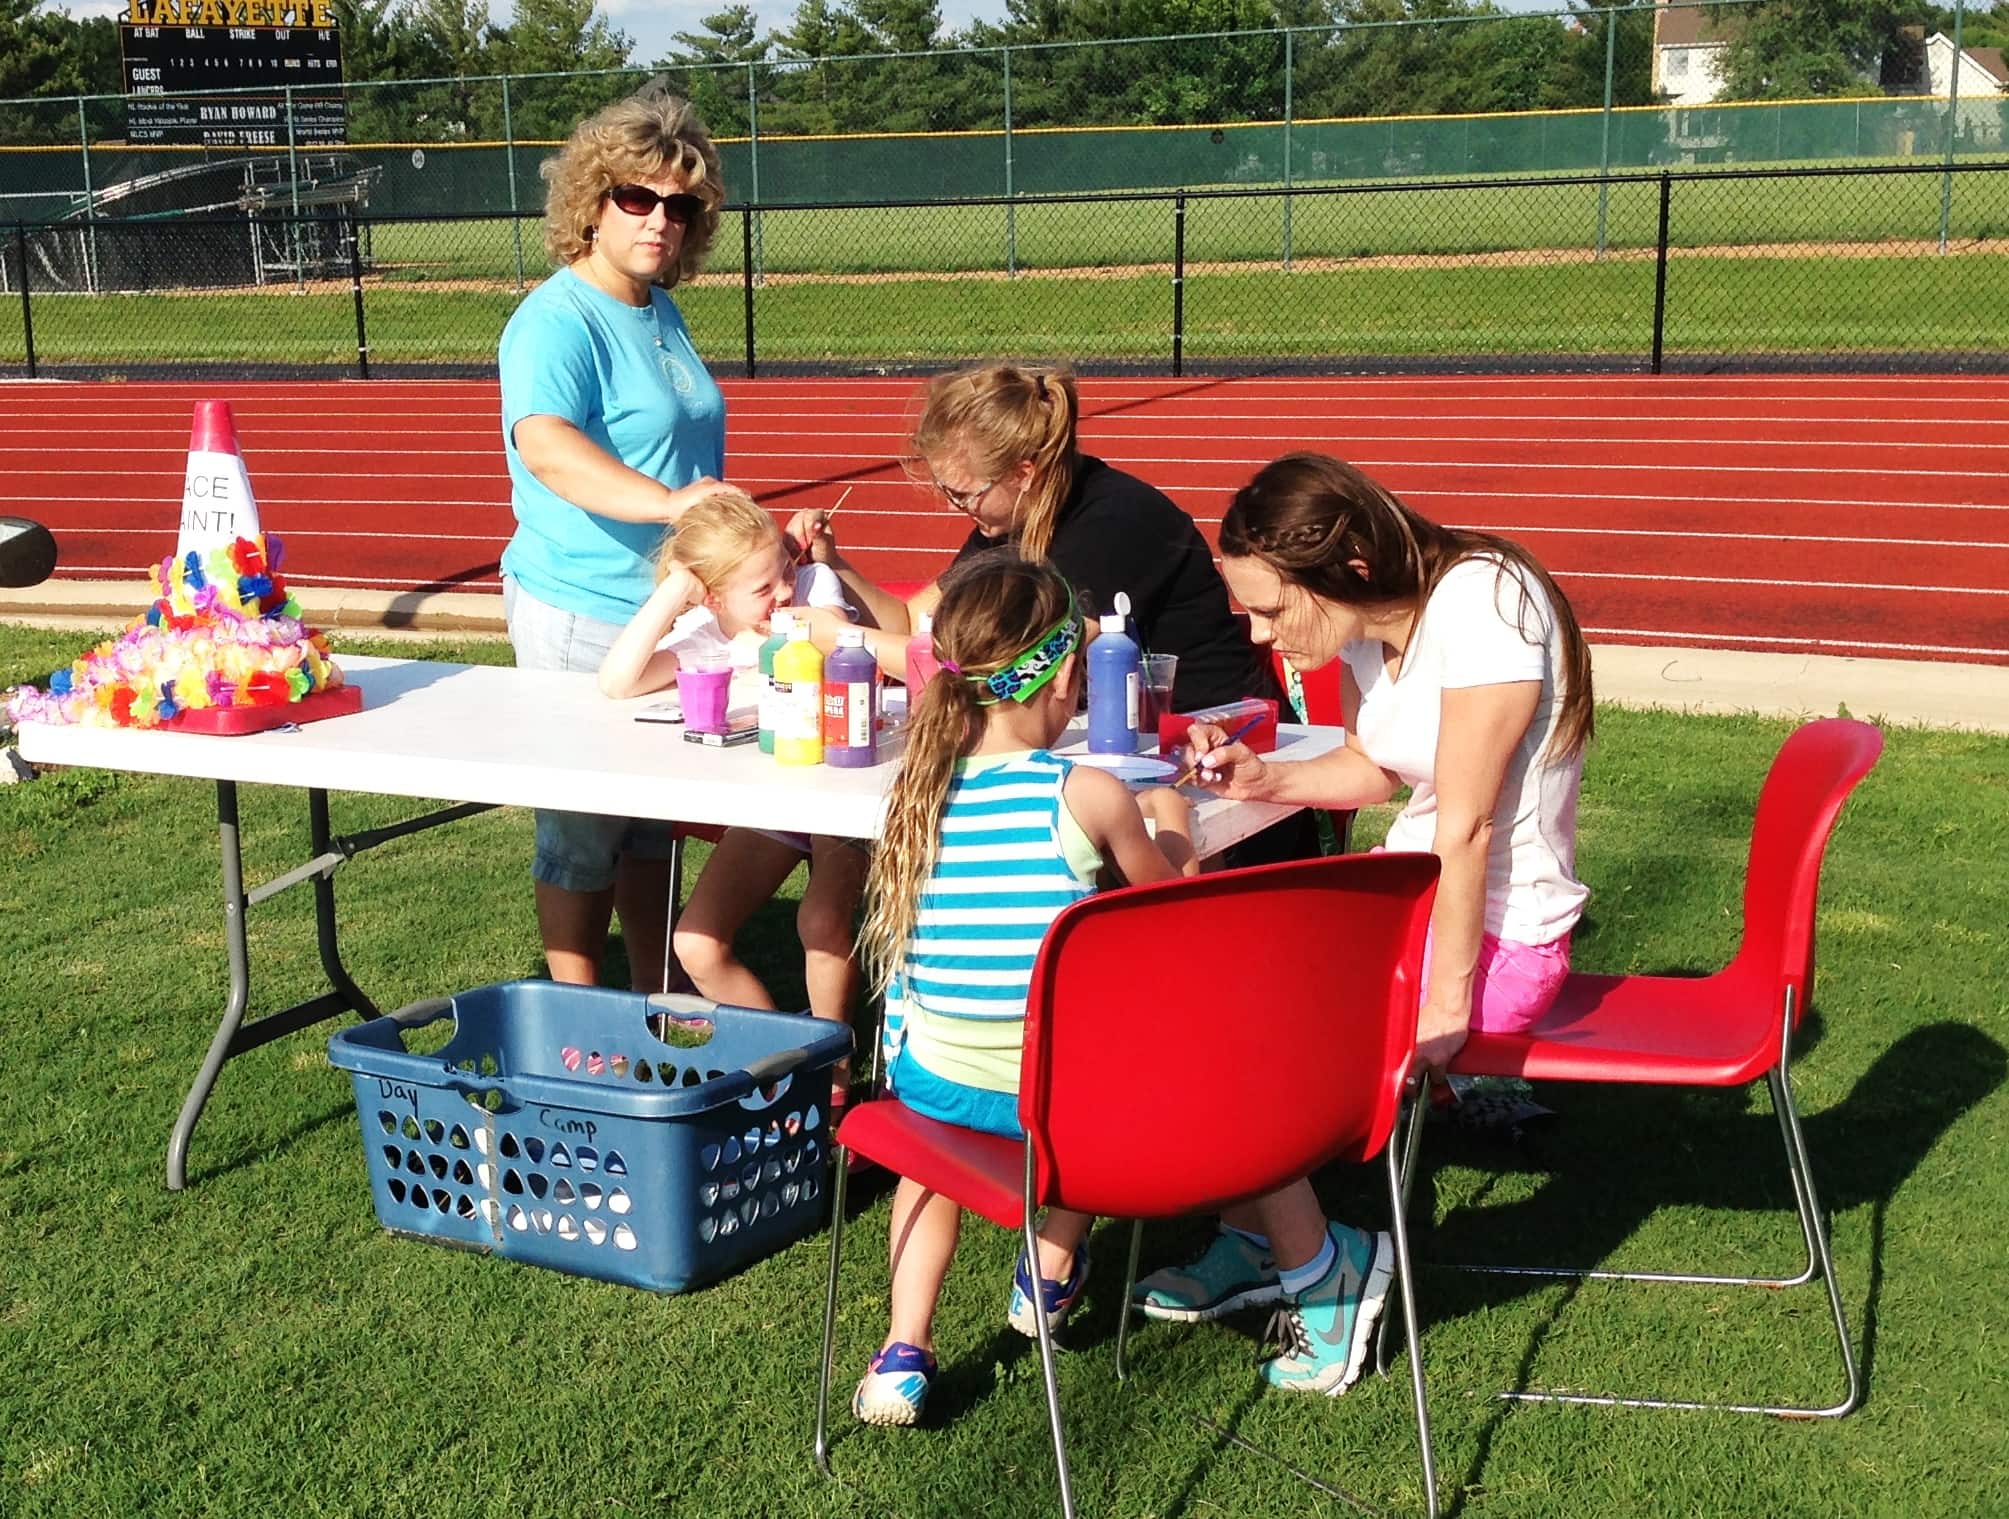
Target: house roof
point(1990, 58)
point(1692, 26)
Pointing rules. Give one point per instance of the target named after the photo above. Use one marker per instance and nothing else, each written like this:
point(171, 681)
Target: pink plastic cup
point(704, 690)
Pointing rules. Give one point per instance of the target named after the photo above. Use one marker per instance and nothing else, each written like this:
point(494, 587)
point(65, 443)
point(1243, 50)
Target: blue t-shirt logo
point(676, 373)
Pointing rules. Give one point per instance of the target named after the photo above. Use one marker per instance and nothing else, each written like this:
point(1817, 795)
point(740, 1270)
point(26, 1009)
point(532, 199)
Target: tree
point(558, 37)
point(381, 45)
point(1794, 49)
point(697, 66)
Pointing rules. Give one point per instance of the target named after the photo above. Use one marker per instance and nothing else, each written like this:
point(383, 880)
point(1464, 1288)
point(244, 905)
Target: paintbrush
point(807, 548)
point(1233, 738)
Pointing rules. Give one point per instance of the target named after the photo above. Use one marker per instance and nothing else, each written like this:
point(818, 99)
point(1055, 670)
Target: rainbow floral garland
point(223, 631)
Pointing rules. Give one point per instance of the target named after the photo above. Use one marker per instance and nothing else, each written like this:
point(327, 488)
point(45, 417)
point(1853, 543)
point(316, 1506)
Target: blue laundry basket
point(555, 1127)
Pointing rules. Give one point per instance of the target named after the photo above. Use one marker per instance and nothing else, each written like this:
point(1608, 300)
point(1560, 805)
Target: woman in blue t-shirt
point(611, 426)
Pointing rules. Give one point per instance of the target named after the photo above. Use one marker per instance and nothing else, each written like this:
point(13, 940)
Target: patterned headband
point(1031, 669)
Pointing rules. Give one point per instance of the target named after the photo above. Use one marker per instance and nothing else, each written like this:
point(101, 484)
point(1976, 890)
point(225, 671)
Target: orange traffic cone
point(217, 506)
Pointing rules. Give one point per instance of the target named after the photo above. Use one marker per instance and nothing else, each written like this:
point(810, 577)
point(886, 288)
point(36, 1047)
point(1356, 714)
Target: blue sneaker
point(1230, 1273)
point(1323, 1337)
point(1060, 1297)
point(895, 1388)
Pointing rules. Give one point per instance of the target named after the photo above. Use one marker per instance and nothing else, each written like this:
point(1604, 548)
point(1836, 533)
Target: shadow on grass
point(268, 1148)
point(1719, 1152)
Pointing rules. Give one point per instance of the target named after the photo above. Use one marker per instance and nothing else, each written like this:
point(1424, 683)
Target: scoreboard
point(172, 48)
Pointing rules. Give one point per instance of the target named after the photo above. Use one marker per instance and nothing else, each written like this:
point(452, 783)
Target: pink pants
point(1513, 983)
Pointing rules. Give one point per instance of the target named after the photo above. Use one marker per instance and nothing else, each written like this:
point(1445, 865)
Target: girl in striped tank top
point(988, 837)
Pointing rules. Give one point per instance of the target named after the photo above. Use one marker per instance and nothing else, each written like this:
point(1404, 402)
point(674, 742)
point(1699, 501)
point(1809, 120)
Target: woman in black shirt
point(998, 443)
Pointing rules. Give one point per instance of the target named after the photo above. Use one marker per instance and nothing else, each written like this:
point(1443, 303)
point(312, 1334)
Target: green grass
point(259, 1344)
point(1584, 311)
point(1468, 271)
point(1459, 220)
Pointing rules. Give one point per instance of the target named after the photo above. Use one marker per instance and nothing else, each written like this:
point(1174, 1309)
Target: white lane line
point(1825, 645)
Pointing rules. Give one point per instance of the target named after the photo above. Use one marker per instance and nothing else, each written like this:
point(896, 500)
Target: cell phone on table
point(722, 740)
point(669, 710)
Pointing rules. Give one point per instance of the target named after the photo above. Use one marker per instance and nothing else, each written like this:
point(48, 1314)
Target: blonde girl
point(988, 837)
point(723, 574)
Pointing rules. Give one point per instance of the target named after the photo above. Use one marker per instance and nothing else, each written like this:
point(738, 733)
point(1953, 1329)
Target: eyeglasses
point(640, 200)
point(965, 501)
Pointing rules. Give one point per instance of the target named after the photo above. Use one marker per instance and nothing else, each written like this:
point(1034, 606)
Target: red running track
point(1864, 515)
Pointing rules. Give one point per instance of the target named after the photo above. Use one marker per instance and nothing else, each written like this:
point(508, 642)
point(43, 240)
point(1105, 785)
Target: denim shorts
point(949, 1101)
point(576, 851)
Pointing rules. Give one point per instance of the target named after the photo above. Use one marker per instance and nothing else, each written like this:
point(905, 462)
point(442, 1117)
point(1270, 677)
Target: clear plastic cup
point(704, 691)
point(1155, 678)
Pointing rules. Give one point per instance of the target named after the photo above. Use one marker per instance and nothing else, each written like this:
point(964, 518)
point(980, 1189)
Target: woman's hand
point(685, 497)
point(1441, 1030)
point(1234, 771)
point(809, 535)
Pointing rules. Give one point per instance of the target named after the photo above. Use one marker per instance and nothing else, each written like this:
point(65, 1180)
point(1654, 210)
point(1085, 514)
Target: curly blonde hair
point(647, 134)
point(717, 535)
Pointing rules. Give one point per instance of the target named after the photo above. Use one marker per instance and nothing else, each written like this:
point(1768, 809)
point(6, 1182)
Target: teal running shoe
point(895, 1388)
point(1231, 1273)
point(1324, 1336)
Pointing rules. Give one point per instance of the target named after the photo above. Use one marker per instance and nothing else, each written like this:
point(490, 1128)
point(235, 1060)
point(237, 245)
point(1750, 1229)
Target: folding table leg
point(338, 975)
point(240, 988)
point(233, 1035)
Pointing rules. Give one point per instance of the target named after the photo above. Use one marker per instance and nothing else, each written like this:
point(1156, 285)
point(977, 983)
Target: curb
point(1925, 693)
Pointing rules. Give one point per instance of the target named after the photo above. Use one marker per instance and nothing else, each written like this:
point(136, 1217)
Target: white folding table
point(482, 736)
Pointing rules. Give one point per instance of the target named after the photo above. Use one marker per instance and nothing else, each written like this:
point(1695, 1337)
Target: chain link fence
point(1417, 99)
point(1897, 267)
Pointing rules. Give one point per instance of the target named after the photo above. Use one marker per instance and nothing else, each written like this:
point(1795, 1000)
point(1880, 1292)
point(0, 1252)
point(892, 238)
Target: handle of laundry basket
point(771, 1068)
point(422, 1012)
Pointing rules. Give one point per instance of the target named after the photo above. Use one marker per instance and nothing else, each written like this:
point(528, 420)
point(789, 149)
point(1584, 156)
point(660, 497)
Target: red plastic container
point(1261, 739)
point(337, 702)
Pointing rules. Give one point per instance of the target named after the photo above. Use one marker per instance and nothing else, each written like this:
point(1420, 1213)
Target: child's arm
point(1174, 816)
point(634, 665)
point(1114, 823)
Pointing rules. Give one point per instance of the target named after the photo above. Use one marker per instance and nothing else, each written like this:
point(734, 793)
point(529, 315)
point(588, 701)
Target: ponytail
point(944, 727)
point(1004, 415)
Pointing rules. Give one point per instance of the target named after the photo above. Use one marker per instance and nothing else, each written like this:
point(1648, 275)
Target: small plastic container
point(1114, 680)
point(556, 1127)
point(798, 714)
point(921, 661)
point(770, 693)
point(851, 703)
point(1230, 715)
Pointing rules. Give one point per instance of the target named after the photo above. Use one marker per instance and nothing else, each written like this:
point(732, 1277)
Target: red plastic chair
point(1170, 978)
point(1723, 1030)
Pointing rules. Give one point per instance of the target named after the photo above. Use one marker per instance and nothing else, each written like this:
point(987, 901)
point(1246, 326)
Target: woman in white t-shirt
point(1466, 679)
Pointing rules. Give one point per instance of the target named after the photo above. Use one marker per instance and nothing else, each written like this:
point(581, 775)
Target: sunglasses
point(965, 501)
point(640, 200)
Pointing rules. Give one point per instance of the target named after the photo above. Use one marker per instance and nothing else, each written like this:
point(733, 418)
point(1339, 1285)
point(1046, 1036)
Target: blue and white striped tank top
point(1001, 877)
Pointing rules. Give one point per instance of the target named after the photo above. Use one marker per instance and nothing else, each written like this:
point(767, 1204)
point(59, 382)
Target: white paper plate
point(1136, 769)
